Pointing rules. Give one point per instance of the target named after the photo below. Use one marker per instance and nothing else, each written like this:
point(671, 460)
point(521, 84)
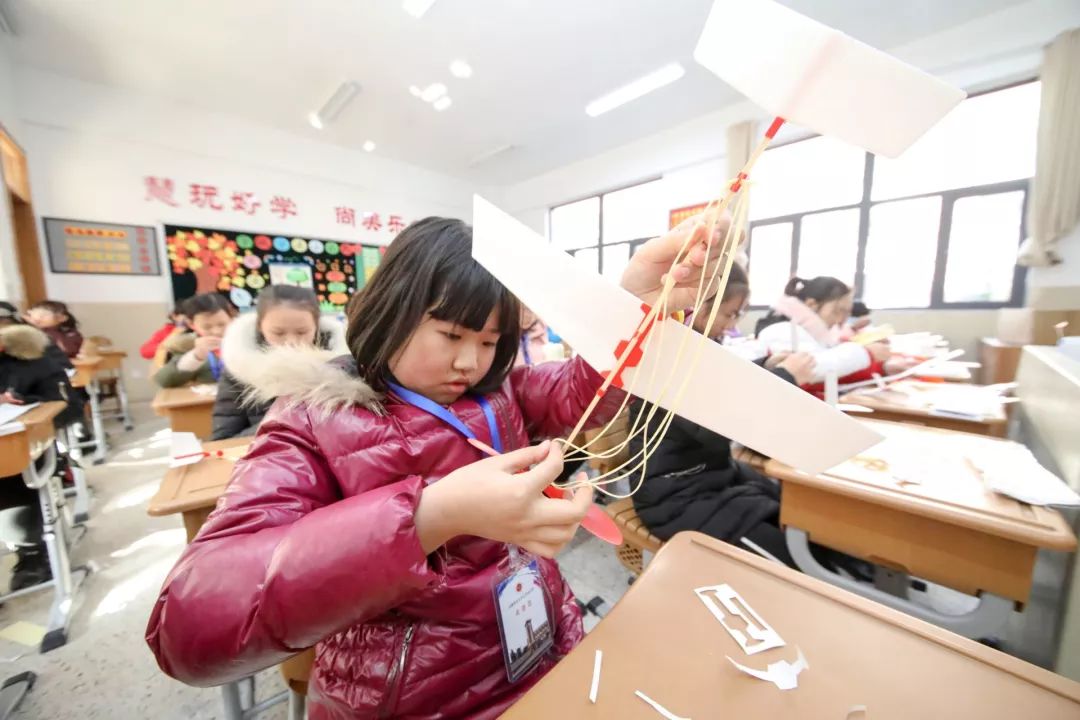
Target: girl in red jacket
point(362, 521)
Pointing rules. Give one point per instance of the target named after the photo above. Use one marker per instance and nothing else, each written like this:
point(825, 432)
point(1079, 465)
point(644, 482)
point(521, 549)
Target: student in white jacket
point(808, 318)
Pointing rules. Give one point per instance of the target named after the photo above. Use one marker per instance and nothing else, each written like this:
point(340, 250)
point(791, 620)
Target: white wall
point(1058, 287)
point(90, 148)
point(10, 286)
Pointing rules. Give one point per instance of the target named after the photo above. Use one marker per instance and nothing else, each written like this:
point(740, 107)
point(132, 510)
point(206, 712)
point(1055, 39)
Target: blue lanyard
point(434, 408)
point(215, 365)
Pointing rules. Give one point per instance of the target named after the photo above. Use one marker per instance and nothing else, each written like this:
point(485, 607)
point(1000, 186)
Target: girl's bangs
point(467, 297)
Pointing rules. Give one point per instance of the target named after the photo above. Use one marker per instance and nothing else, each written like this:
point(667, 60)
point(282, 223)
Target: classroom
point(625, 359)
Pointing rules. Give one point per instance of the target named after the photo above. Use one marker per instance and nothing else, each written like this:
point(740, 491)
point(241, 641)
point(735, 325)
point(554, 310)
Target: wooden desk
point(187, 410)
point(86, 369)
point(18, 449)
point(907, 401)
point(193, 490)
point(949, 529)
point(999, 360)
point(662, 640)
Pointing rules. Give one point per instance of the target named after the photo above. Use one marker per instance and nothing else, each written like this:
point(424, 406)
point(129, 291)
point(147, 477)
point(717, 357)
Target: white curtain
point(1054, 205)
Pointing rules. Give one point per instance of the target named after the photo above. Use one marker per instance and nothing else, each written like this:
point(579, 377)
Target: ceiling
point(536, 64)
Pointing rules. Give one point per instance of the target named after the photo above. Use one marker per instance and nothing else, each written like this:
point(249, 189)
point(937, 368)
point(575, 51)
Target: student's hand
point(859, 323)
point(490, 499)
point(775, 359)
point(10, 397)
point(644, 276)
point(801, 366)
point(205, 344)
point(879, 351)
point(898, 364)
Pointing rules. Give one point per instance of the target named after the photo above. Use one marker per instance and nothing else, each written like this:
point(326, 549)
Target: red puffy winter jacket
point(313, 544)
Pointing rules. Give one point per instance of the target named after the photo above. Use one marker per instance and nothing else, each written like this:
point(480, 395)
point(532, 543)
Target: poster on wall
point(677, 215)
point(78, 246)
point(240, 264)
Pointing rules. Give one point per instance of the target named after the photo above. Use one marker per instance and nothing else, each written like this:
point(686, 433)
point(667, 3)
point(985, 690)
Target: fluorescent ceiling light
point(461, 69)
point(632, 91)
point(442, 103)
point(345, 92)
point(417, 8)
point(369, 146)
point(433, 92)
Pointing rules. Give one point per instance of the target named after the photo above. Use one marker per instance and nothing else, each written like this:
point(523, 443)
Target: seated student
point(691, 481)
point(55, 320)
point(284, 315)
point(808, 319)
point(534, 338)
point(30, 373)
point(177, 324)
point(195, 356)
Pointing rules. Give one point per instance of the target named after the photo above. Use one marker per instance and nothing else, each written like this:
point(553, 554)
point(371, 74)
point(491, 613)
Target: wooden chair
point(636, 537)
point(296, 671)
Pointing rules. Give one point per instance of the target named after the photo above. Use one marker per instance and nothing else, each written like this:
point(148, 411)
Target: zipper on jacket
point(393, 681)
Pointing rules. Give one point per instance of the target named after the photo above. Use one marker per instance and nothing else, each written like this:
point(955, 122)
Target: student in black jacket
point(691, 481)
point(286, 320)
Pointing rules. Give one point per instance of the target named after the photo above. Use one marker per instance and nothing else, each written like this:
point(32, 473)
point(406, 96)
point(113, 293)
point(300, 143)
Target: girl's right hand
point(879, 351)
point(206, 344)
point(801, 366)
point(499, 498)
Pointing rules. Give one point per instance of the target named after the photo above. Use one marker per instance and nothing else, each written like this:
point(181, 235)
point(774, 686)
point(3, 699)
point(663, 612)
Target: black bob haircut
point(429, 269)
point(210, 302)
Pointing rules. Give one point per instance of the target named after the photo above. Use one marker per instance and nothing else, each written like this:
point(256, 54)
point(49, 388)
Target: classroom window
point(938, 227)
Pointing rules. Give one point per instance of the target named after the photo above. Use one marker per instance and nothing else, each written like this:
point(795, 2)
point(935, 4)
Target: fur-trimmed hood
point(799, 313)
point(24, 342)
point(306, 376)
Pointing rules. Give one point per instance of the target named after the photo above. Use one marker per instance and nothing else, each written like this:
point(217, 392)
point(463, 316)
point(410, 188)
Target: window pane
point(983, 240)
point(900, 253)
point(576, 225)
point(987, 139)
point(635, 212)
point(770, 262)
point(814, 174)
point(828, 243)
point(615, 259)
point(590, 257)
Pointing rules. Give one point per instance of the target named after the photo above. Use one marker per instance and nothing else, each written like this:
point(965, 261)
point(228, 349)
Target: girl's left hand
point(645, 274)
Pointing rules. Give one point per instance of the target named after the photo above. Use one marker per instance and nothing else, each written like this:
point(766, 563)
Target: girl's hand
point(879, 351)
point(205, 345)
point(801, 366)
point(492, 498)
point(648, 267)
point(10, 397)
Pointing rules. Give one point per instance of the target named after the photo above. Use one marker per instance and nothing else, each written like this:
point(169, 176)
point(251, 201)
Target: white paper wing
point(726, 393)
point(818, 77)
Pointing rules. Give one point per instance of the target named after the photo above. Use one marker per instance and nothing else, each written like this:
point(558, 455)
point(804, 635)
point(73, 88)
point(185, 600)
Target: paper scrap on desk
point(1011, 469)
point(594, 688)
point(658, 707)
point(24, 633)
point(185, 449)
point(208, 389)
point(761, 635)
point(731, 397)
point(10, 411)
point(812, 75)
point(782, 674)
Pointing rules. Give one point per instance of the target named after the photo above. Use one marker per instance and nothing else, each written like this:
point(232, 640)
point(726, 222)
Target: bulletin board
point(79, 246)
point(239, 264)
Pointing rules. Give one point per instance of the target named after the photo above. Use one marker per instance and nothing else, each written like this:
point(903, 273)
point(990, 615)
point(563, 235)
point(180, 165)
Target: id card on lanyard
point(216, 366)
point(520, 595)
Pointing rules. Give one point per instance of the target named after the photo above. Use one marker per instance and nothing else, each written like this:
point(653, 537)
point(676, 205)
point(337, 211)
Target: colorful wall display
point(677, 215)
point(77, 246)
point(240, 264)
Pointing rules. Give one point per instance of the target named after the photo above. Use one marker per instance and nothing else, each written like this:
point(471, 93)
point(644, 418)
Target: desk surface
point(168, 398)
point(198, 485)
point(662, 640)
point(16, 449)
point(915, 398)
point(950, 489)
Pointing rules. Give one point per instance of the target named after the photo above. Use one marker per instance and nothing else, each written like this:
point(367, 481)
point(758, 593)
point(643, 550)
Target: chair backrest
point(297, 669)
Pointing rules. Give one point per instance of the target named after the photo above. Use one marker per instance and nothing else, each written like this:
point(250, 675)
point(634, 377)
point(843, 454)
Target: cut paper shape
point(595, 687)
point(783, 674)
point(815, 76)
point(658, 707)
point(593, 315)
point(185, 449)
point(722, 600)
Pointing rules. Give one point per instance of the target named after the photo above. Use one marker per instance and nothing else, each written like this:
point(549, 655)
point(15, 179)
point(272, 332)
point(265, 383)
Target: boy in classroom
point(54, 319)
point(176, 324)
point(808, 318)
point(194, 357)
point(365, 522)
point(284, 316)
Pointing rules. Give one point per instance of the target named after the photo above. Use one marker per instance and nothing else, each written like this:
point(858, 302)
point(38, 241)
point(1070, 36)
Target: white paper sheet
point(753, 634)
point(594, 687)
point(10, 411)
point(815, 76)
point(726, 394)
point(782, 674)
point(1011, 469)
point(185, 449)
point(11, 428)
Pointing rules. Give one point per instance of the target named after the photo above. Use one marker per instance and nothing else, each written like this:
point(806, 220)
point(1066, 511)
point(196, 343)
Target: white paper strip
point(658, 707)
point(782, 674)
point(753, 634)
point(727, 394)
point(595, 687)
point(815, 76)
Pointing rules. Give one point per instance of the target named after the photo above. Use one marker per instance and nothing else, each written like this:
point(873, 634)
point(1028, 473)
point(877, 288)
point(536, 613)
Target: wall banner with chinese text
point(239, 264)
point(78, 246)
